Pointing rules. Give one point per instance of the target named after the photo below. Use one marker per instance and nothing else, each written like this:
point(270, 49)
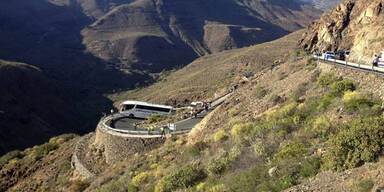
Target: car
point(329, 55)
point(197, 104)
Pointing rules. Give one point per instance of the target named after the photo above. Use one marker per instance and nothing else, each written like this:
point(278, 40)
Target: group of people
point(199, 109)
point(152, 128)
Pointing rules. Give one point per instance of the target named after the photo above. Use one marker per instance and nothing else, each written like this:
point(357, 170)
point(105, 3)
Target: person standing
point(375, 60)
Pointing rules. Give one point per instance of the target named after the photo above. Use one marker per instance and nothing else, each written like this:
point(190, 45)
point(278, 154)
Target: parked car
point(340, 55)
point(329, 55)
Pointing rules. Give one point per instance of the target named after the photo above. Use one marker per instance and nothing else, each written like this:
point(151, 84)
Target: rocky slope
point(354, 25)
point(152, 35)
point(324, 5)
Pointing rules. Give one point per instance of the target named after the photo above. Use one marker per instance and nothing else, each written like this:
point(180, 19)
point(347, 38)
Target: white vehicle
point(197, 104)
point(380, 63)
point(143, 109)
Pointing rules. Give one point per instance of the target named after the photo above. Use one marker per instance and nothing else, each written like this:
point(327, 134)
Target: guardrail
point(361, 67)
point(105, 123)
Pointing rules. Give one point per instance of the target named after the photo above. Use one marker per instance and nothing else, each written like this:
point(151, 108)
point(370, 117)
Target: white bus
point(142, 109)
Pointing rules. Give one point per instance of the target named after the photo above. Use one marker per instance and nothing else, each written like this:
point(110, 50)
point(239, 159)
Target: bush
point(310, 167)
point(321, 126)
point(261, 92)
point(292, 151)
point(184, 177)
point(219, 135)
point(44, 149)
point(361, 102)
point(140, 178)
point(16, 154)
point(79, 185)
point(326, 79)
point(338, 88)
point(366, 185)
point(154, 118)
point(217, 166)
point(240, 129)
point(192, 151)
point(358, 142)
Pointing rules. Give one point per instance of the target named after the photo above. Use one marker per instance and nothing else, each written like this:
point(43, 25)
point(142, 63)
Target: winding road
point(126, 125)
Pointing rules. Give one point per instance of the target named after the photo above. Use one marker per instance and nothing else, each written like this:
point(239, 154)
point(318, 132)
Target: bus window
point(127, 107)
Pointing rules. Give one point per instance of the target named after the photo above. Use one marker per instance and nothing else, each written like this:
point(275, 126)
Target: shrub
point(356, 101)
point(155, 118)
point(79, 185)
point(310, 167)
point(181, 178)
point(240, 129)
point(217, 188)
point(44, 149)
point(261, 92)
point(321, 126)
point(217, 166)
point(366, 185)
point(338, 88)
point(326, 79)
point(358, 142)
point(140, 178)
point(192, 151)
point(275, 99)
point(219, 135)
point(292, 151)
point(9, 156)
point(325, 102)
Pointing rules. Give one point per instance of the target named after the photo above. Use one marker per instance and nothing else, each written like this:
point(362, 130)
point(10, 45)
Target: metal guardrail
point(106, 121)
point(360, 67)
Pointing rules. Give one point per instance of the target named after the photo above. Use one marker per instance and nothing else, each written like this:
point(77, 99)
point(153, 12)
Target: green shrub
point(292, 151)
point(261, 92)
point(140, 178)
point(192, 151)
point(184, 177)
point(44, 149)
point(220, 135)
point(154, 118)
point(310, 167)
point(366, 185)
point(249, 180)
point(338, 88)
point(358, 142)
point(361, 102)
point(16, 154)
point(239, 129)
point(217, 166)
point(325, 102)
point(321, 126)
point(326, 79)
point(275, 99)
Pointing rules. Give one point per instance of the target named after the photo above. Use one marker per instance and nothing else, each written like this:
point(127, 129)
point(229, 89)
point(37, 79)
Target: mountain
point(353, 25)
point(33, 108)
point(153, 35)
point(324, 5)
point(294, 125)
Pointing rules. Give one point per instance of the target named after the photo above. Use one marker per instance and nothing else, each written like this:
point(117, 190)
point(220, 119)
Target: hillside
point(325, 5)
point(211, 74)
point(353, 25)
point(153, 35)
point(284, 128)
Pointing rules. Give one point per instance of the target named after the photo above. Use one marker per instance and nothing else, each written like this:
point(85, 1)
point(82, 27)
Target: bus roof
point(145, 103)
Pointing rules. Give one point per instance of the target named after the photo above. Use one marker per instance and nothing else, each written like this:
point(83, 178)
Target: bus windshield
point(127, 107)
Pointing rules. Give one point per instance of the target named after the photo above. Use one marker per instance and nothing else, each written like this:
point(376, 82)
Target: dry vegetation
point(212, 74)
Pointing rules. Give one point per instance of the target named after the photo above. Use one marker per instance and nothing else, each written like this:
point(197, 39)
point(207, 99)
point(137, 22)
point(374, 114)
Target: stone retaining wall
point(77, 161)
point(118, 146)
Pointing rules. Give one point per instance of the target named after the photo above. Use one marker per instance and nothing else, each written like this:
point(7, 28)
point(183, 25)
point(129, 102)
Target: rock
point(272, 171)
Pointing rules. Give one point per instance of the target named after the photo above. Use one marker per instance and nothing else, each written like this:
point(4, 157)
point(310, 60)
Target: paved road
point(187, 124)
